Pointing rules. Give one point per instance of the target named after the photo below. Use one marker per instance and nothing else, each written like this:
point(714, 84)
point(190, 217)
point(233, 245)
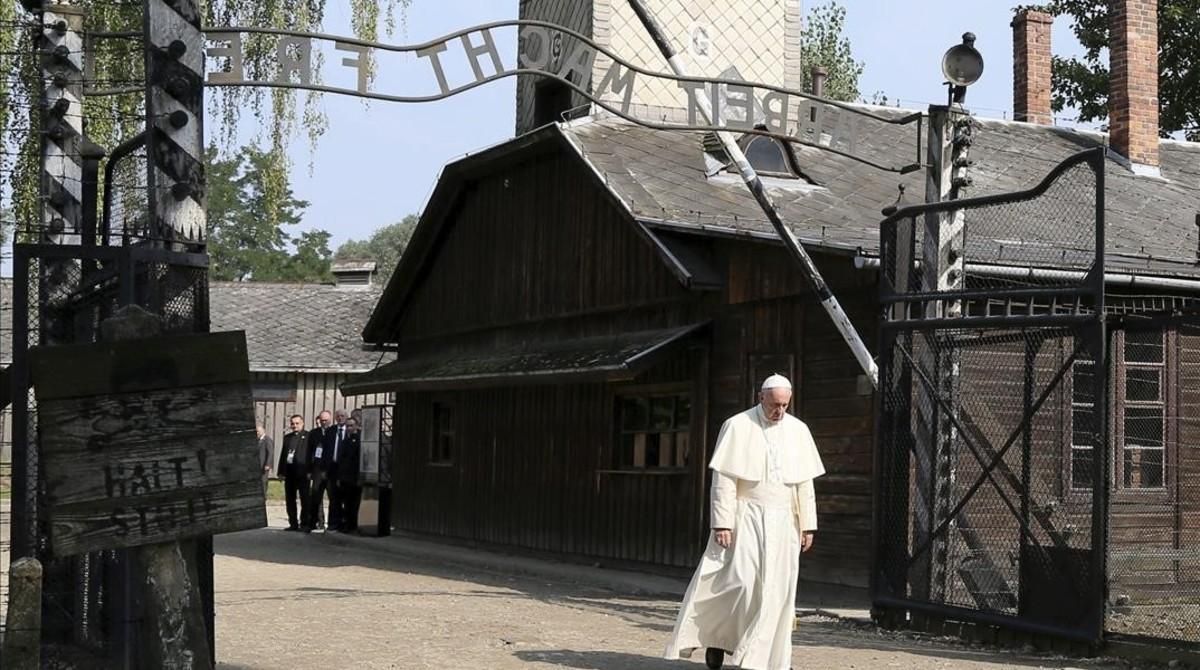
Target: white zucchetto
point(776, 382)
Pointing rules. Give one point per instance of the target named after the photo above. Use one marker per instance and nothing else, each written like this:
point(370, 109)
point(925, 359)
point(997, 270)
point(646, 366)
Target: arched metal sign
point(736, 105)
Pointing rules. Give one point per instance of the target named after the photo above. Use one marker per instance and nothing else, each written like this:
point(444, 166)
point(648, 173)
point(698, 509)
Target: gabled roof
point(661, 177)
point(662, 180)
point(297, 327)
point(676, 254)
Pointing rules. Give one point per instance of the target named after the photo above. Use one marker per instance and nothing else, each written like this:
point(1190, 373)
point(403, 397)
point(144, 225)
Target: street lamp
point(962, 65)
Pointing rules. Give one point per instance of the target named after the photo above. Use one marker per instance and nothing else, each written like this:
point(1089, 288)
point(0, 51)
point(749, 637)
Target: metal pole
point(750, 177)
point(59, 44)
point(942, 271)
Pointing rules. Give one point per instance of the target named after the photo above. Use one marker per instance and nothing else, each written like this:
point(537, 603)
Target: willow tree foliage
point(118, 63)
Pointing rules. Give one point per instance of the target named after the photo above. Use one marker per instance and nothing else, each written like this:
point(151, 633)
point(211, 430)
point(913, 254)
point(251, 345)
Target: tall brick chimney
point(1031, 66)
point(1133, 91)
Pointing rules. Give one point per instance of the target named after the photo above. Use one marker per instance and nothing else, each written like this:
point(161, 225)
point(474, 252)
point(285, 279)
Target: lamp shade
point(963, 64)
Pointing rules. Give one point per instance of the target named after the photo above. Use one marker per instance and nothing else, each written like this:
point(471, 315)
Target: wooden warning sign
point(145, 441)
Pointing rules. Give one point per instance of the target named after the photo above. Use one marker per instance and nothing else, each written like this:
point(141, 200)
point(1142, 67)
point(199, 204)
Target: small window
point(1143, 413)
point(1083, 424)
point(441, 450)
point(766, 156)
point(653, 431)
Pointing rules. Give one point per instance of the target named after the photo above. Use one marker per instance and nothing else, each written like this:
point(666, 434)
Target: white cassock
point(742, 599)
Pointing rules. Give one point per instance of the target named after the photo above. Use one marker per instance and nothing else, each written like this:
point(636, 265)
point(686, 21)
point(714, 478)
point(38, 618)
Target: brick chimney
point(1133, 91)
point(1031, 66)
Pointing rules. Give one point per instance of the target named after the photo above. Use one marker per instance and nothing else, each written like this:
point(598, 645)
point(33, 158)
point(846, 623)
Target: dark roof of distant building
point(298, 327)
point(289, 327)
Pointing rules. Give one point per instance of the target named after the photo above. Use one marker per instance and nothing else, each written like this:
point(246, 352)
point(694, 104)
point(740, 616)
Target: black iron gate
point(61, 294)
point(993, 407)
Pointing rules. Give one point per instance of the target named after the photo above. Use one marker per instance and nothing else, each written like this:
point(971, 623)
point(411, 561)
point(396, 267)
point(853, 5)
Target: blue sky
point(378, 163)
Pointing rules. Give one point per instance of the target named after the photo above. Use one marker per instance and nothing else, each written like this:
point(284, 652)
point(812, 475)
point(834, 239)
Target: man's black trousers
point(295, 485)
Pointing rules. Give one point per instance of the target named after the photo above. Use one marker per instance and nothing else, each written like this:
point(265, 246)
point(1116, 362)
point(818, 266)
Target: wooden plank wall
point(538, 242)
point(539, 252)
point(772, 311)
point(314, 392)
point(530, 471)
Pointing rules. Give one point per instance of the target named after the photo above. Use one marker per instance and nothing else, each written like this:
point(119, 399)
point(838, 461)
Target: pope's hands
point(724, 537)
point(806, 540)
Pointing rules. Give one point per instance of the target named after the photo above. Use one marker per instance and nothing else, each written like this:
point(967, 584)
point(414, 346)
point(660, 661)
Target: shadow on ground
point(595, 660)
point(652, 612)
point(278, 546)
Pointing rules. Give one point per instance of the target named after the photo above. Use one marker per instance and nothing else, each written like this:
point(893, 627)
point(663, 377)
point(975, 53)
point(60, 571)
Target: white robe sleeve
point(806, 500)
point(724, 500)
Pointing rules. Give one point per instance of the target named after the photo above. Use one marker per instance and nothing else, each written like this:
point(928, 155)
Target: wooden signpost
point(147, 441)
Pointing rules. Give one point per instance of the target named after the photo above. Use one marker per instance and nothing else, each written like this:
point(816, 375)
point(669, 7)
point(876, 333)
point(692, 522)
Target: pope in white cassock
point(741, 601)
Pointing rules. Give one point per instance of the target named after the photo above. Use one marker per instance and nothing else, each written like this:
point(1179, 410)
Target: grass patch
point(274, 490)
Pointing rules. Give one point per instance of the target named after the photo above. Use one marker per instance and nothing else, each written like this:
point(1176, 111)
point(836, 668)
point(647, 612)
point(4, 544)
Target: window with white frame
point(1142, 410)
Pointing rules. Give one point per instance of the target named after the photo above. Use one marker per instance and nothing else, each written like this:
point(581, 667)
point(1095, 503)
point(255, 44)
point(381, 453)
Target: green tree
point(119, 63)
point(1083, 83)
point(824, 43)
point(384, 246)
point(311, 259)
point(245, 244)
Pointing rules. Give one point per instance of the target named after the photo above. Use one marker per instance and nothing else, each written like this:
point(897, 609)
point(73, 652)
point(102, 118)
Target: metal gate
point(993, 407)
point(89, 616)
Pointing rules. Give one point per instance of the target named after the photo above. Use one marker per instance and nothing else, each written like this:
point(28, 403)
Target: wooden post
point(23, 637)
point(174, 635)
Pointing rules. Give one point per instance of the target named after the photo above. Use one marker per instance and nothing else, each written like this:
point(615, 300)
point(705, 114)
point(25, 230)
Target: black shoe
point(713, 658)
point(306, 529)
point(292, 528)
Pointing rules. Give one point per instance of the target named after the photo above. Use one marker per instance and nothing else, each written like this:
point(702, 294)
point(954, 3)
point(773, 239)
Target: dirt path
point(286, 600)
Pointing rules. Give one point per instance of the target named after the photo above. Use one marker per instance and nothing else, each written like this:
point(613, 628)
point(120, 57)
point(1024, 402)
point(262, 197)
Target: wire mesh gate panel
point(992, 408)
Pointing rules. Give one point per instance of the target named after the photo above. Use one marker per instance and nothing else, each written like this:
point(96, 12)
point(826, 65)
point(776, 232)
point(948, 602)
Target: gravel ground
point(286, 600)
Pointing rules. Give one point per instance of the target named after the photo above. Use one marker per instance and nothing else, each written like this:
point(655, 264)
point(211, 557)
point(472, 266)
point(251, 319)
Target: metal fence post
point(175, 120)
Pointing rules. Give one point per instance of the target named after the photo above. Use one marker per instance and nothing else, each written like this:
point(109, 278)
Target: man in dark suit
point(321, 442)
point(266, 447)
point(293, 467)
point(332, 462)
point(349, 493)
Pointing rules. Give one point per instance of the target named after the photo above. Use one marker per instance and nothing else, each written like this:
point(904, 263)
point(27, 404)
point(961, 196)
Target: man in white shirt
point(741, 600)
